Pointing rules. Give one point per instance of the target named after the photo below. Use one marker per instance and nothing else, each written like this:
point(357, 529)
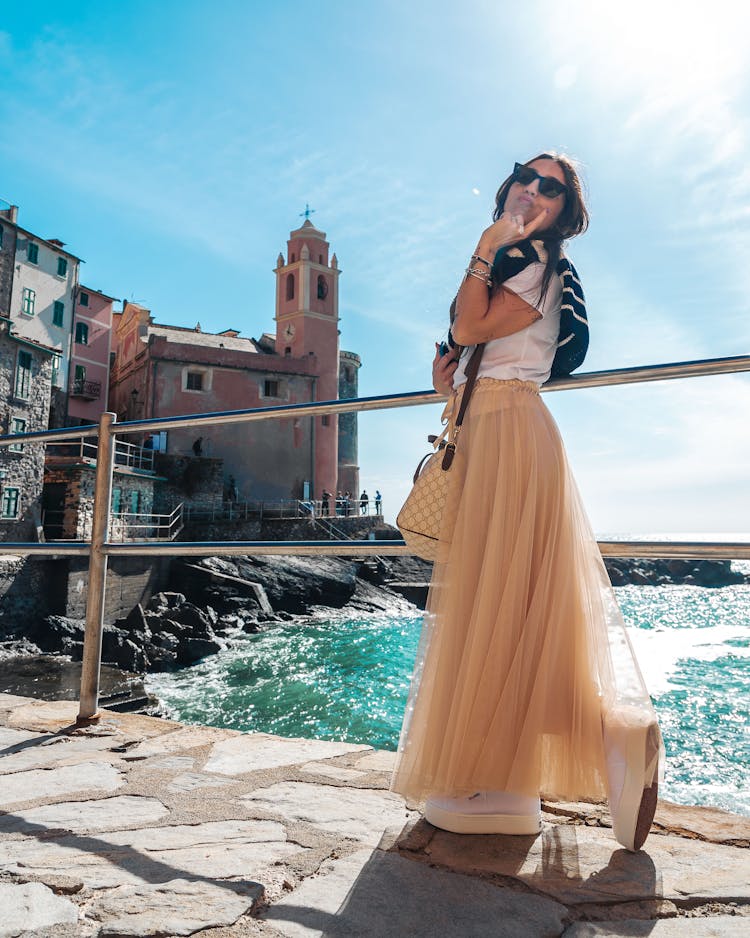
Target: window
point(56, 362)
point(29, 300)
point(290, 286)
point(194, 381)
point(32, 252)
point(270, 388)
point(82, 333)
point(17, 425)
point(22, 387)
point(135, 502)
point(326, 420)
point(62, 266)
point(58, 313)
point(322, 287)
point(9, 507)
point(116, 501)
point(83, 299)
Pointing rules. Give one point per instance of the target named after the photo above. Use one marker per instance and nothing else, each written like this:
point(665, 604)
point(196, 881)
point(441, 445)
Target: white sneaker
point(493, 812)
point(631, 745)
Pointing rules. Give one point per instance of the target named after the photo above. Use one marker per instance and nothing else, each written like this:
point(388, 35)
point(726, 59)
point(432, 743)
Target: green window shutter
point(17, 425)
point(32, 252)
point(9, 502)
point(62, 266)
point(58, 316)
point(23, 375)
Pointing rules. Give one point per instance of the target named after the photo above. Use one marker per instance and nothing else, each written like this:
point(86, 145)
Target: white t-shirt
point(528, 354)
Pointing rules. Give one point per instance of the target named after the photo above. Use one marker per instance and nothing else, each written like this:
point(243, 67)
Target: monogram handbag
point(422, 520)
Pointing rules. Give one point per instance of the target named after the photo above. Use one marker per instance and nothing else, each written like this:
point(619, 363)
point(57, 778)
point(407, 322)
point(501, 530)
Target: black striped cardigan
point(573, 339)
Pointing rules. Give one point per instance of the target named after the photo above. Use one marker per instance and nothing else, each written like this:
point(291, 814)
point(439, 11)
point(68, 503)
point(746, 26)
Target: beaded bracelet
point(476, 257)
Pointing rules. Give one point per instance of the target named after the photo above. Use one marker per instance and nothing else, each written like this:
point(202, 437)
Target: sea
point(337, 677)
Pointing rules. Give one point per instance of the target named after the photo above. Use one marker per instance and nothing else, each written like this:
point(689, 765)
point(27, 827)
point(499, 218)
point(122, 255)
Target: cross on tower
point(307, 212)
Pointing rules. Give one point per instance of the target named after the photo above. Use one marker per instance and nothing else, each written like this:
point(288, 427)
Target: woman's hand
point(507, 230)
point(443, 369)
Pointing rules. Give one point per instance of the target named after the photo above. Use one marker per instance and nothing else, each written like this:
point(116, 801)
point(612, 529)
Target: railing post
point(92, 642)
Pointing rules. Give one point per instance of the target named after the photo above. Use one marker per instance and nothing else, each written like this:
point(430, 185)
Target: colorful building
point(161, 371)
point(89, 357)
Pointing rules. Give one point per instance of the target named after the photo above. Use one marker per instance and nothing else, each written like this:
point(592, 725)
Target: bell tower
point(307, 303)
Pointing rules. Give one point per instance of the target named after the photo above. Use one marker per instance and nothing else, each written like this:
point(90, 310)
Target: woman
point(525, 684)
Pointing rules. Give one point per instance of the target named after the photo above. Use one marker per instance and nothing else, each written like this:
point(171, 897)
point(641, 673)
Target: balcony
point(89, 390)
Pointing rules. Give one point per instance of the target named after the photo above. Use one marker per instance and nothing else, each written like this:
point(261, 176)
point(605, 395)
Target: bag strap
point(472, 370)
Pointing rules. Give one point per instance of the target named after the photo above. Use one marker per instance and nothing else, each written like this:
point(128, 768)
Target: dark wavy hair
point(572, 221)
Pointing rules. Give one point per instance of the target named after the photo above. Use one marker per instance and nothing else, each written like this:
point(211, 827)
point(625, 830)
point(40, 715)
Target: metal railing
point(100, 548)
point(284, 508)
point(127, 455)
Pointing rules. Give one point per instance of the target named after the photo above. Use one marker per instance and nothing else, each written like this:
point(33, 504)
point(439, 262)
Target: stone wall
point(23, 469)
point(282, 529)
point(77, 505)
point(130, 580)
point(30, 589)
point(348, 468)
point(7, 261)
point(197, 482)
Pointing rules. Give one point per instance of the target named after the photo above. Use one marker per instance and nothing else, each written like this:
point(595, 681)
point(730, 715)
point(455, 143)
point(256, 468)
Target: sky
point(173, 146)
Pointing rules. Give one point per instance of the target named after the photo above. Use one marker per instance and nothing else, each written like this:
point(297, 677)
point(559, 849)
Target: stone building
point(27, 367)
point(163, 371)
point(348, 481)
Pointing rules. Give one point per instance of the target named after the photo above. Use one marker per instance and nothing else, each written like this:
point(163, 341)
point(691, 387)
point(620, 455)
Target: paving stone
point(337, 772)
point(11, 701)
point(359, 813)
point(711, 824)
point(379, 760)
point(190, 781)
point(50, 783)
point(179, 763)
point(372, 894)
point(719, 926)
point(215, 850)
point(60, 750)
point(179, 907)
point(13, 739)
point(576, 864)
point(78, 816)
point(251, 752)
point(187, 737)
point(31, 906)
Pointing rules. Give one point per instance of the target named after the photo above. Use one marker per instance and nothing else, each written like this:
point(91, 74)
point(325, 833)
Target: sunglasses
point(548, 185)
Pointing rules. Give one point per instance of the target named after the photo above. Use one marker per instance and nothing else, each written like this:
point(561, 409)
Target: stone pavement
point(139, 826)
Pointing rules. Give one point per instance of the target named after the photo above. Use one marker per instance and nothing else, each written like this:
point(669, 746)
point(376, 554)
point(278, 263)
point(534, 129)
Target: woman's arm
point(480, 318)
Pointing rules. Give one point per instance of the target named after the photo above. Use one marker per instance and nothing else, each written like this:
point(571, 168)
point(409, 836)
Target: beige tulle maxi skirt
point(524, 652)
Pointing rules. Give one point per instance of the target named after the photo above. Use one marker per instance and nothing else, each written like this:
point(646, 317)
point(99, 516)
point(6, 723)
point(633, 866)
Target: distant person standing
point(347, 504)
point(339, 504)
point(364, 502)
point(325, 504)
point(378, 503)
point(198, 446)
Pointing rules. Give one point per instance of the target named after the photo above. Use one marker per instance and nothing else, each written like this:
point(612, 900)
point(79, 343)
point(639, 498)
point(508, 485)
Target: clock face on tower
point(289, 331)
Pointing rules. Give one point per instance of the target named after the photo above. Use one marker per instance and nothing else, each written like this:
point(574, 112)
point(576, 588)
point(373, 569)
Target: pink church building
point(162, 370)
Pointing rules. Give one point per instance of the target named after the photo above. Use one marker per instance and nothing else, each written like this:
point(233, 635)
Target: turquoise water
point(347, 679)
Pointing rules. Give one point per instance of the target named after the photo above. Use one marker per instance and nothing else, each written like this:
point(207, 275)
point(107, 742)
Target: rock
point(190, 781)
point(328, 770)
point(178, 907)
point(358, 813)
point(30, 906)
point(371, 894)
point(41, 783)
point(193, 649)
point(712, 824)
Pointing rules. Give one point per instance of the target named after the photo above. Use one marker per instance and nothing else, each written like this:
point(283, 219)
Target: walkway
point(139, 826)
